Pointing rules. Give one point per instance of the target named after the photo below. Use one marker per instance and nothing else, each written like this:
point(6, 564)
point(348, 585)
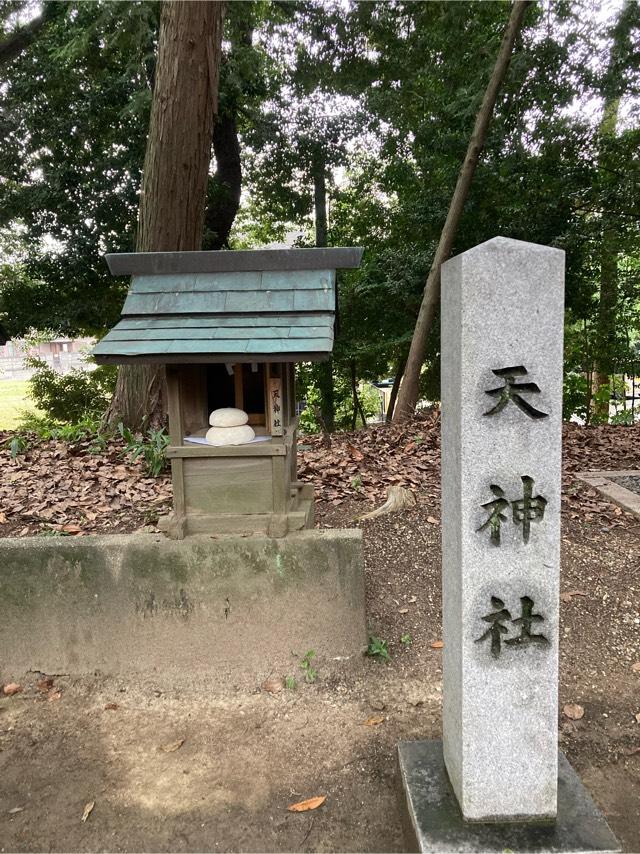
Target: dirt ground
point(247, 755)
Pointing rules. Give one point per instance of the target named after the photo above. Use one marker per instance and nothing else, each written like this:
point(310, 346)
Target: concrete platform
point(434, 823)
point(230, 608)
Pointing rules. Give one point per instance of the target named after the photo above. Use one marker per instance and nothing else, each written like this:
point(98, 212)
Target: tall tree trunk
point(613, 89)
point(324, 369)
point(408, 394)
point(176, 168)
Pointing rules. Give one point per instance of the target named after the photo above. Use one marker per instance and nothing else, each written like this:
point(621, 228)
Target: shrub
point(71, 397)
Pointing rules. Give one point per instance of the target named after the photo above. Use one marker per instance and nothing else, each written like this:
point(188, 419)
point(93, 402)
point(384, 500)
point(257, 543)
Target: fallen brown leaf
point(45, 685)
point(88, 809)
point(437, 644)
point(631, 751)
point(636, 667)
point(432, 520)
point(71, 529)
point(111, 707)
point(55, 696)
point(573, 711)
point(309, 804)
point(374, 721)
point(11, 688)
point(637, 717)
point(171, 748)
point(3, 518)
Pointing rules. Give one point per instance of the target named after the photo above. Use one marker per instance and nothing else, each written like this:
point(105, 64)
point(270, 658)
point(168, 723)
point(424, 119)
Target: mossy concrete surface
point(231, 607)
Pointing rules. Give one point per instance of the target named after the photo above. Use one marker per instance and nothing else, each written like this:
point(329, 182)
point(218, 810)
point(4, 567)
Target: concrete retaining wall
point(235, 608)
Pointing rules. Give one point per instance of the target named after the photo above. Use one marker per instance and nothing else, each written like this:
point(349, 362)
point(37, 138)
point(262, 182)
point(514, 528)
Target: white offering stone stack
point(229, 427)
point(502, 330)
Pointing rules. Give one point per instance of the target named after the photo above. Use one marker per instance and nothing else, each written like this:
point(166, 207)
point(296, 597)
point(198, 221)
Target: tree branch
point(13, 46)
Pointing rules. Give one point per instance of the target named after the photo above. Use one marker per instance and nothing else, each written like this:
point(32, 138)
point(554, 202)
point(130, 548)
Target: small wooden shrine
point(230, 326)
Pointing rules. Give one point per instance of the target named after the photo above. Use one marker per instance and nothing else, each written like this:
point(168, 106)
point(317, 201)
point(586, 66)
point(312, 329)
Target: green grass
point(14, 398)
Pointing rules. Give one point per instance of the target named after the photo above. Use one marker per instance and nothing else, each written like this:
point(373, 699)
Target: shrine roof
point(267, 305)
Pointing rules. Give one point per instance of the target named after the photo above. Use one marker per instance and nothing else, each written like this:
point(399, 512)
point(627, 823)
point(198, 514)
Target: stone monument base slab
point(433, 820)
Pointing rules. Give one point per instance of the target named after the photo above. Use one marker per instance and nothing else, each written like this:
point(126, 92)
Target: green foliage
point(308, 390)
point(626, 417)
point(575, 396)
point(406, 640)
point(380, 98)
point(73, 396)
point(290, 683)
point(46, 429)
point(151, 446)
point(378, 648)
point(310, 674)
point(75, 112)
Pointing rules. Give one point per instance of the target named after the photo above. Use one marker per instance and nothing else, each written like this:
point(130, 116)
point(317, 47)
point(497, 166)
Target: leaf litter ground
point(245, 757)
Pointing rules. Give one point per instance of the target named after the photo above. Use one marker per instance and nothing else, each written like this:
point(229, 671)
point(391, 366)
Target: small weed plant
point(378, 648)
point(17, 445)
point(406, 640)
point(290, 683)
point(152, 447)
point(310, 673)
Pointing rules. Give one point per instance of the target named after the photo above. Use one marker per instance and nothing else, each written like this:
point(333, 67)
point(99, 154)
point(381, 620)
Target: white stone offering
point(222, 436)
point(502, 330)
point(228, 417)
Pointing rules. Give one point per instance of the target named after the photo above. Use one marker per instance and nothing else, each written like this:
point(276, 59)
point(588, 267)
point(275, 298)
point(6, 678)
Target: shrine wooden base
point(299, 516)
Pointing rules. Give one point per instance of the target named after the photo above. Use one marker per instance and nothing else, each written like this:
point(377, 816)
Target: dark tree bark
point(225, 188)
point(226, 185)
point(176, 167)
point(408, 394)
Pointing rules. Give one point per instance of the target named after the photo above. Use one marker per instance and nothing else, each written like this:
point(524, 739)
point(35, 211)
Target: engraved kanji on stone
point(496, 628)
point(526, 618)
point(512, 392)
point(496, 516)
point(528, 507)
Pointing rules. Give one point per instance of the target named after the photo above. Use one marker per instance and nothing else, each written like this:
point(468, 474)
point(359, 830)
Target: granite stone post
point(502, 357)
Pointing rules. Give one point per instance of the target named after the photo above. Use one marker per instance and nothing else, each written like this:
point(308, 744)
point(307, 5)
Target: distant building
point(62, 354)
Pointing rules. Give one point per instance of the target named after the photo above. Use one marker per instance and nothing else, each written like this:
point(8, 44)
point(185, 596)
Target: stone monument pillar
point(502, 332)
point(493, 782)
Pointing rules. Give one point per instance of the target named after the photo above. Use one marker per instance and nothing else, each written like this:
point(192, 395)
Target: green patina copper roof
point(216, 306)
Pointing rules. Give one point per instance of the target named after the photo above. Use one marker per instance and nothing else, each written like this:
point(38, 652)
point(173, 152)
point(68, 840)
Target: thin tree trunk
point(408, 394)
point(354, 396)
point(357, 404)
point(176, 168)
point(397, 379)
point(324, 369)
point(613, 89)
